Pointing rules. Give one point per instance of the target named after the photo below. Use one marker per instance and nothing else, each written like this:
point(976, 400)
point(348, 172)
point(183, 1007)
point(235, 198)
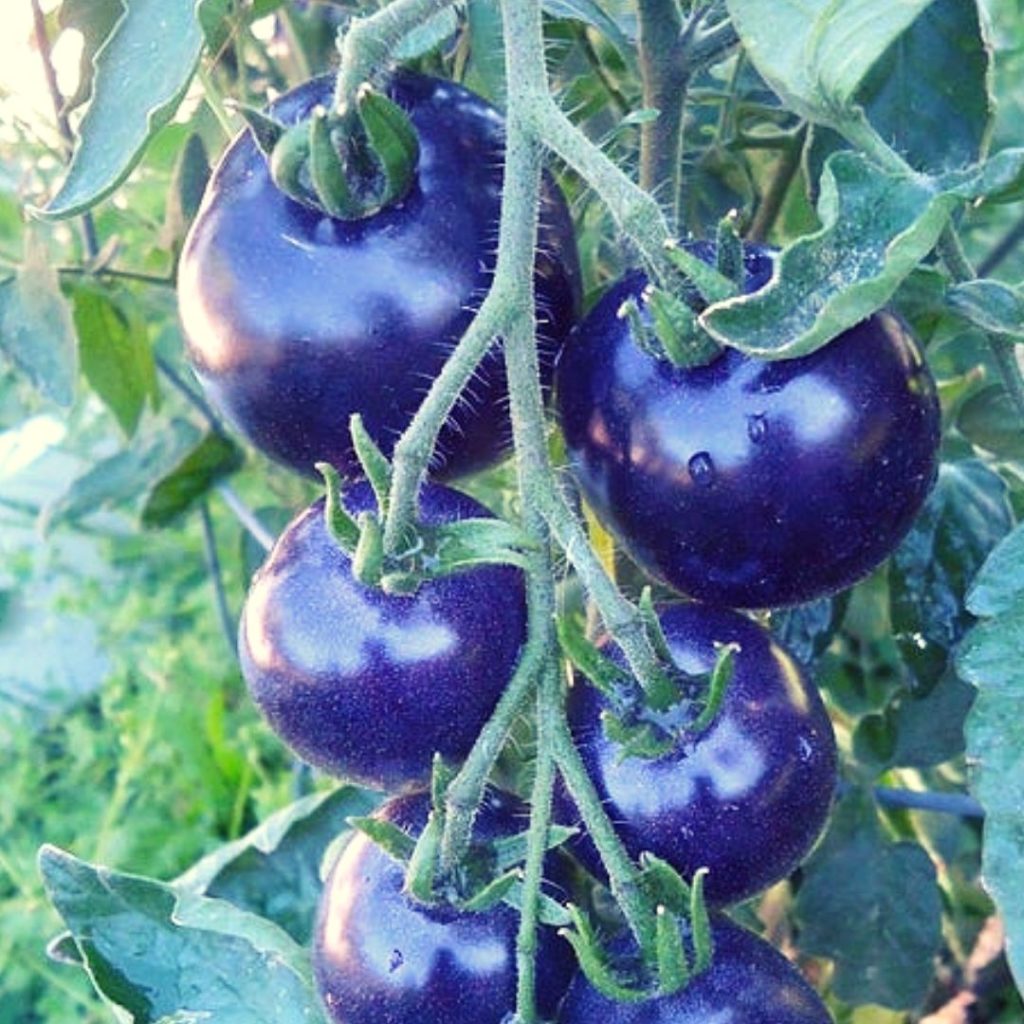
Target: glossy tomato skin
point(295, 320)
point(747, 483)
point(748, 796)
point(748, 982)
point(367, 685)
point(380, 957)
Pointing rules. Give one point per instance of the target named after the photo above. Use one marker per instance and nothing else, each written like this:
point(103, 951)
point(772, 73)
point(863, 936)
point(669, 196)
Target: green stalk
point(623, 876)
point(468, 787)
point(664, 78)
point(524, 58)
point(369, 43)
point(548, 702)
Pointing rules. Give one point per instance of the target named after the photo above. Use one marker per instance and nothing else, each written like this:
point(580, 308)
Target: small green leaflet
point(141, 74)
point(877, 225)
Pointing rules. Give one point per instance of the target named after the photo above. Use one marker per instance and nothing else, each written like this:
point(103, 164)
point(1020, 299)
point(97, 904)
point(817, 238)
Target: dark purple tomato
point(368, 685)
point(381, 957)
point(295, 320)
point(748, 982)
point(748, 483)
point(746, 797)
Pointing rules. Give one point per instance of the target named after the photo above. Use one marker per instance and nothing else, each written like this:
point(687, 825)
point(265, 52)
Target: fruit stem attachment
point(368, 44)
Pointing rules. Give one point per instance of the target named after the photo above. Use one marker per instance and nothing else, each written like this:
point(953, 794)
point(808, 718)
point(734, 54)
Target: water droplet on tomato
point(702, 469)
point(757, 427)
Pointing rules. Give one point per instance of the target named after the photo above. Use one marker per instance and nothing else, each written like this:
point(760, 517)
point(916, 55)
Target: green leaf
point(157, 952)
point(36, 329)
point(988, 419)
point(816, 53)
point(429, 36)
point(930, 729)
point(121, 477)
point(965, 516)
point(188, 184)
point(94, 19)
point(990, 658)
point(213, 458)
point(274, 870)
point(872, 906)
point(991, 305)
point(907, 95)
point(116, 356)
point(1000, 583)
point(806, 630)
point(876, 227)
point(142, 72)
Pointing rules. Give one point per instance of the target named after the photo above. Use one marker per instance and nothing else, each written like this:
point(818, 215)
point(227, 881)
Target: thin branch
point(778, 188)
point(89, 239)
point(246, 516)
point(1003, 248)
point(213, 567)
point(959, 804)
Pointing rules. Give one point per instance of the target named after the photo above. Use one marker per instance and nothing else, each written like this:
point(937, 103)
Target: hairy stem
point(467, 788)
point(369, 42)
point(623, 877)
point(227, 623)
point(548, 703)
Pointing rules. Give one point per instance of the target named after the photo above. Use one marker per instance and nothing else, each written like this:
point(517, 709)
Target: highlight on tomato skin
point(743, 482)
point(366, 685)
point(294, 320)
point(382, 957)
point(746, 797)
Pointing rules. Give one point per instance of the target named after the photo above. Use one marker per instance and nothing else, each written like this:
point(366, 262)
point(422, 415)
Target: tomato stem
point(368, 44)
point(548, 702)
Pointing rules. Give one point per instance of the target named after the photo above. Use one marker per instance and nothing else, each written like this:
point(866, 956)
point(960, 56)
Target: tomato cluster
point(740, 483)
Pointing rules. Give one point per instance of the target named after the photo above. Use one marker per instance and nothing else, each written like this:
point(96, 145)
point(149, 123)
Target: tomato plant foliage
point(163, 852)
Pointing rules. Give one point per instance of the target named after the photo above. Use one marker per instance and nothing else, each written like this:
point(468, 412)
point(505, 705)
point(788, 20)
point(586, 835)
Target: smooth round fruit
point(746, 797)
point(295, 320)
point(381, 957)
point(368, 685)
point(748, 483)
point(748, 982)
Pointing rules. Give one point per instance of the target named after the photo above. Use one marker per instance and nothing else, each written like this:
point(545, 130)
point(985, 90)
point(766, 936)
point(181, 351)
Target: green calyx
point(664, 321)
point(349, 165)
point(681, 947)
point(429, 551)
